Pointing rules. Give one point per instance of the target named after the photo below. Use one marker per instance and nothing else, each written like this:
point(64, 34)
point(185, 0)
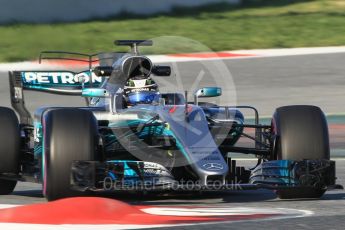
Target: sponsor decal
point(53, 78)
point(136, 90)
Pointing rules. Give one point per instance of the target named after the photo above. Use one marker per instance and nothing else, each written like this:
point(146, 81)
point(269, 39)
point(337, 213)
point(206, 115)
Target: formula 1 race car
point(131, 137)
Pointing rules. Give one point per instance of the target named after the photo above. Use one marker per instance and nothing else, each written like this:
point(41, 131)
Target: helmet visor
point(144, 97)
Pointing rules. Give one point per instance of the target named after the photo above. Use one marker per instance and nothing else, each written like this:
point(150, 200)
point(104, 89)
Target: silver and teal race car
point(131, 137)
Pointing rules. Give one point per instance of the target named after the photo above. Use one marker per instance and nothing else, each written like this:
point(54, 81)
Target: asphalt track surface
point(265, 83)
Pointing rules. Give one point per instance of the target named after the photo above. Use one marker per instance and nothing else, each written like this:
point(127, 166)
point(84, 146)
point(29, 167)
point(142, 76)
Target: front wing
point(113, 176)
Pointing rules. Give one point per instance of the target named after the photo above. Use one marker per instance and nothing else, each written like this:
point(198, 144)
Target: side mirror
point(162, 71)
point(94, 92)
point(103, 71)
point(207, 92)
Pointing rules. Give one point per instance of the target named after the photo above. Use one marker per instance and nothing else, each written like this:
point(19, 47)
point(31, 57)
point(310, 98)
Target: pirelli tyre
point(69, 134)
point(9, 148)
point(301, 133)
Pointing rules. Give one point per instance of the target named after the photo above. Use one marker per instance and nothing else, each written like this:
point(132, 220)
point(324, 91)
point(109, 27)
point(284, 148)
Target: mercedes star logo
point(213, 166)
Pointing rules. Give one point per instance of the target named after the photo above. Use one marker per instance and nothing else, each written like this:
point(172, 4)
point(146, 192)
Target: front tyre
point(301, 133)
point(69, 134)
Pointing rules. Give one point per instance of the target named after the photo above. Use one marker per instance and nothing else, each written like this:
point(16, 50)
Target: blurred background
point(28, 26)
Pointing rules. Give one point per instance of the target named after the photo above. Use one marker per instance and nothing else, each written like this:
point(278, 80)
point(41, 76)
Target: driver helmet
point(140, 90)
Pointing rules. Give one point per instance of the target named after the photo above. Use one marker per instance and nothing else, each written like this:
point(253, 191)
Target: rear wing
point(64, 82)
point(55, 82)
point(99, 59)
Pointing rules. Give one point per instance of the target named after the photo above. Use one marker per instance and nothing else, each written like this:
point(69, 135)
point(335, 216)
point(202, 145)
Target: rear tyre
point(9, 148)
point(69, 134)
point(301, 133)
